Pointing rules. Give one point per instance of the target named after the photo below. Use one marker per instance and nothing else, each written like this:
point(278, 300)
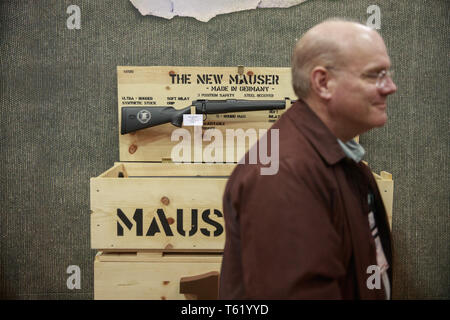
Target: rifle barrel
point(232, 105)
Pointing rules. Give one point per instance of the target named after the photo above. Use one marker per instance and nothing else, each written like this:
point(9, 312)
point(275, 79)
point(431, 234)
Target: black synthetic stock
point(137, 118)
point(158, 115)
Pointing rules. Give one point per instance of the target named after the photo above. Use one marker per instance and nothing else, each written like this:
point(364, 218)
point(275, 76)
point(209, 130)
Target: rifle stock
point(137, 118)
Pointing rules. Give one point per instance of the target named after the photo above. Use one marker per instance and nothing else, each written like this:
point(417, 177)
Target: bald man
point(318, 228)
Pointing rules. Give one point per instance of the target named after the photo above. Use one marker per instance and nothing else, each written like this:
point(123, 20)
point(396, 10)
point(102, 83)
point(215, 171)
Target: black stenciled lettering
point(137, 217)
point(201, 79)
point(165, 224)
point(173, 77)
point(209, 78)
point(268, 79)
point(218, 226)
point(218, 78)
point(180, 79)
point(276, 79)
point(180, 222)
point(153, 229)
point(194, 222)
point(261, 79)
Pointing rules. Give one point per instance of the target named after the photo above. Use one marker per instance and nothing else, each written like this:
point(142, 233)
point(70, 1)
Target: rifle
point(137, 118)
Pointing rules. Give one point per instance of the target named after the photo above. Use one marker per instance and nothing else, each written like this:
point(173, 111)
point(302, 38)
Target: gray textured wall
point(59, 123)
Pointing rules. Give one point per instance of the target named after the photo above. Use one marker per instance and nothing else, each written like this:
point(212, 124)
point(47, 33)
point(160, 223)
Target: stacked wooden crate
point(150, 225)
point(158, 225)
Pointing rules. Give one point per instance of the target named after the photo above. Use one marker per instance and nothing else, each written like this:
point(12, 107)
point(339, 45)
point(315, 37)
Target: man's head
point(340, 69)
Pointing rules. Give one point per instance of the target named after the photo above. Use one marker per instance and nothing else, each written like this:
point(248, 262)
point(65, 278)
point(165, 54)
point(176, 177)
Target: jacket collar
point(315, 131)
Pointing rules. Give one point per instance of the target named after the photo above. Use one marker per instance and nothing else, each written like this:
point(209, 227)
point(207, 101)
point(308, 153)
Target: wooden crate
point(159, 224)
point(168, 274)
point(152, 206)
point(162, 206)
point(156, 276)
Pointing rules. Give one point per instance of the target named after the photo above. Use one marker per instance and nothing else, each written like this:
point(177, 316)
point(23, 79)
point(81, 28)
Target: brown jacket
point(302, 233)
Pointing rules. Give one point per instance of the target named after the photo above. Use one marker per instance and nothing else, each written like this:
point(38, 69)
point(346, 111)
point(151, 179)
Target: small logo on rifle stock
point(144, 116)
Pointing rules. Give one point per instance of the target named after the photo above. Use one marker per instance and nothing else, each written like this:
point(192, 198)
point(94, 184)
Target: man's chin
point(381, 121)
point(379, 114)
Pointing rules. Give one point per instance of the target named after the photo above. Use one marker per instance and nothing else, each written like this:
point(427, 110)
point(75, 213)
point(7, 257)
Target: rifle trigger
point(203, 107)
point(204, 111)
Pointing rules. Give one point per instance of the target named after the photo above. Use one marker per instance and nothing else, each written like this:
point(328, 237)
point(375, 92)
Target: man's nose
point(389, 87)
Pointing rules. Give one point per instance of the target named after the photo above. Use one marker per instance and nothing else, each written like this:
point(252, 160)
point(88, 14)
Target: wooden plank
point(172, 213)
point(155, 256)
point(164, 86)
point(152, 280)
point(377, 176)
point(386, 175)
point(114, 171)
point(145, 169)
point(386, 187)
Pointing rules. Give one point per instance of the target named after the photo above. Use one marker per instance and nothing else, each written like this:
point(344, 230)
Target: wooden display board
point(179, 86)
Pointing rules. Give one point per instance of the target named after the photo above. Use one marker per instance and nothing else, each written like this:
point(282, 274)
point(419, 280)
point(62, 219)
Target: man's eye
point(372, 75)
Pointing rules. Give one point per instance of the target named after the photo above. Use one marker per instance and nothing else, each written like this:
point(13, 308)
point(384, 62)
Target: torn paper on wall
point(204, 10)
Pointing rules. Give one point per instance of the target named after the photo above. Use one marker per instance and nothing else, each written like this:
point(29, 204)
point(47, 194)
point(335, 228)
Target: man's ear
point(320, 81)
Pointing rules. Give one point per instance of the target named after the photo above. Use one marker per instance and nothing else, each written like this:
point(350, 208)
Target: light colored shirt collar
point(352, 149)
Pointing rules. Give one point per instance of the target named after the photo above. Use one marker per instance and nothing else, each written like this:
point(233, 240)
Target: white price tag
point(192, 119)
